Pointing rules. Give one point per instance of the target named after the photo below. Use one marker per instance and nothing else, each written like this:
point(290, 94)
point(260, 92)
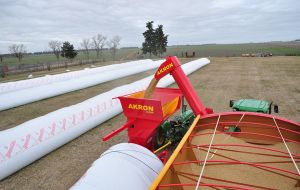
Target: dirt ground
point(274, 78)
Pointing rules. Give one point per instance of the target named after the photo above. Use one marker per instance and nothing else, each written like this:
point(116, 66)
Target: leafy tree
point(149, 35)
point(18, 50)
point(67, 50)
point(155, 40)
point(161, 40)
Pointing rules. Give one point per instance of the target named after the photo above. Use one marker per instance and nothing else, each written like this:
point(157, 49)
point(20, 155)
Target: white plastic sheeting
point(48, 79)
point(124, 166)
point(25, 143)
point(20, 97)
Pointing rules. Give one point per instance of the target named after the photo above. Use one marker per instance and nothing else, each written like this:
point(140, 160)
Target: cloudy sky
point(36, 22)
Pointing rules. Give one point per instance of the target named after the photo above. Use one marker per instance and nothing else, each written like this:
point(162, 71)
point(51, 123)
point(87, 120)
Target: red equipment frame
point(261, 130)
point(144, 116)
point(172, 66)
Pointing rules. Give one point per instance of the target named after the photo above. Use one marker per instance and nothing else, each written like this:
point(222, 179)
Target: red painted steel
point(145, 115)
point(236, 163)
point(117, 131)
point(216, 146)
point(256, 135)
point(222, 180)
point(254, 114)
point(183, 83)
point(253, 127)
point(202, 185)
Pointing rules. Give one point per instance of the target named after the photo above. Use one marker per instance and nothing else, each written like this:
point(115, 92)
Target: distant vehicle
point(252, 105)
point(266, 55)
point(257, 55)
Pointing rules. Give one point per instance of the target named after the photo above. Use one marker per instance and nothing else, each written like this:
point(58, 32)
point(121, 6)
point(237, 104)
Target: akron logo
point(165, 68)
point(146, 108)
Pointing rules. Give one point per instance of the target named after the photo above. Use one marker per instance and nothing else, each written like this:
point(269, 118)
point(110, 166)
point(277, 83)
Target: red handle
point(115, 132)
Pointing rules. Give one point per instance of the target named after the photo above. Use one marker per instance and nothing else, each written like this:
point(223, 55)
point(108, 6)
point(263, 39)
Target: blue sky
point(36, 22)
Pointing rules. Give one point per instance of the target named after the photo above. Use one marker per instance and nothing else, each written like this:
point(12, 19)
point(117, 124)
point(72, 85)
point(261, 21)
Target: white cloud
point(186, 22)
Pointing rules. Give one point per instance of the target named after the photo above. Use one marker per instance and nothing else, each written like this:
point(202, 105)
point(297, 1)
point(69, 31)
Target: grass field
point(272, 78)
point(213, 50)
point(107, 56)
point(232, 50)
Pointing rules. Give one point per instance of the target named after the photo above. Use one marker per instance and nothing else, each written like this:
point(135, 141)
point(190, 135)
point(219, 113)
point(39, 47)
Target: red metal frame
point(266, 128)
point(257, 126)
point(202, 185)
point(222, 180)
point(172, 66)
point(216, 146)
point(145, 115)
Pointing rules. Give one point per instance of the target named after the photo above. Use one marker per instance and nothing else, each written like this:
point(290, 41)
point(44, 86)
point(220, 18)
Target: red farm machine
point(203, 149)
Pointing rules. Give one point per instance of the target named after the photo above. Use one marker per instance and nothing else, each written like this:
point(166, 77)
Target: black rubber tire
point(276, 108)
point(231, 102)
point(159, 138)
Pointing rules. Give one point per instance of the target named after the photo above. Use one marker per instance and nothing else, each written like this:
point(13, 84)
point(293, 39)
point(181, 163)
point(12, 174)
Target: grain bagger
point(203, 149)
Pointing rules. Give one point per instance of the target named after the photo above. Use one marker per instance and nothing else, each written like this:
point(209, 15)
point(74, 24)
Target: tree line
point(155, 44)
point(97, 43)
point(66, 49)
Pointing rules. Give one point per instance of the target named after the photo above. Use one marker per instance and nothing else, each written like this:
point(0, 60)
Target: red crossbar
point(241, 145)
point(192, 179)
point(222, 180)
point(249, 133)
point(115, 132)
point(268, 170)
point(236, 162)
point(240, 151)
point(269, 162)
point(246, 124)
point(202, 185)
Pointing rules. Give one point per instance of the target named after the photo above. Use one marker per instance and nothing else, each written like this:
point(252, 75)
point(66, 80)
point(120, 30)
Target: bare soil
point(275, 79)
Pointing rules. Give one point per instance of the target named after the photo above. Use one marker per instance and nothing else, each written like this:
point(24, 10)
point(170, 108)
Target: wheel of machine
point(276, 109)
point(231, 102)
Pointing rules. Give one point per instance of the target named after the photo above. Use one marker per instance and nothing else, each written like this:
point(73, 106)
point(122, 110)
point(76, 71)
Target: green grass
point(107, 56)
point(215, 50)
point(231, 50)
